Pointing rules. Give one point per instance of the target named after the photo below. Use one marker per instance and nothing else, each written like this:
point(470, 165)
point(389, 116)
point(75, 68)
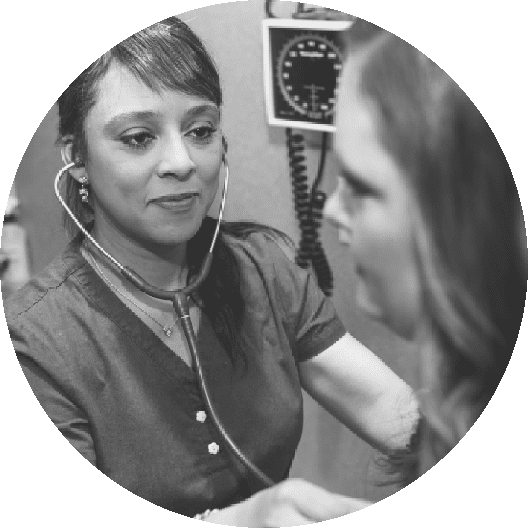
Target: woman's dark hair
point(467, 231)
point(166, 55)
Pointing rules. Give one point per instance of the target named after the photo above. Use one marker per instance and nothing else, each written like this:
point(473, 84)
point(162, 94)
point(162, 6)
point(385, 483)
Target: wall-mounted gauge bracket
point(302, 61)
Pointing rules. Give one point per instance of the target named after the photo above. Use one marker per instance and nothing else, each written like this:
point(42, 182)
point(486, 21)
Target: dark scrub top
point(134, 409)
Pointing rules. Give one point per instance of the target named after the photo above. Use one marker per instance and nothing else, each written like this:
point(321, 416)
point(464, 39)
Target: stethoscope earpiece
point(75, 163)
point(224, 153)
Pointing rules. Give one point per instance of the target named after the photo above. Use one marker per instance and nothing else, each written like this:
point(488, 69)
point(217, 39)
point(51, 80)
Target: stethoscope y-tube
point(180, 302)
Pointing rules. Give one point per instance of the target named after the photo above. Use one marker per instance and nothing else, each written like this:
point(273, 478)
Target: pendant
point(167, 330)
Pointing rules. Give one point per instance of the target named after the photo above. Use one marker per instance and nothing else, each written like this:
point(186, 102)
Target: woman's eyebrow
point(202, 109)
point(347, 173)
point(121, 119)
point(355, 180)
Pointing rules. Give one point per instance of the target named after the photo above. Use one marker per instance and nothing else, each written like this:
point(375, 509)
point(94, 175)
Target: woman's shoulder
point(267, 255)
point(264, 242)
point(46, 290)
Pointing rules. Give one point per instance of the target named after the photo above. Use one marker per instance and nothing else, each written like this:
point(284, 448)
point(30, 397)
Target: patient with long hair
point(427, 205)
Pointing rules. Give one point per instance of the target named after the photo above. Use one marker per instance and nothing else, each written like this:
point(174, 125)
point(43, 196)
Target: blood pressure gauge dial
point(307, 69)
point(302, 62)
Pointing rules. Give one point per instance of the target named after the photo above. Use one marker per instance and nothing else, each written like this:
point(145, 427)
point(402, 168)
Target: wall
point(39, 208)
point(259, 190)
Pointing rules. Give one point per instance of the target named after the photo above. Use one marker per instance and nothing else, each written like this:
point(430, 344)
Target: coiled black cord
point(309, 204)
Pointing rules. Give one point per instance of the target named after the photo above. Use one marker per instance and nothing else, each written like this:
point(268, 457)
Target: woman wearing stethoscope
point(103, 334)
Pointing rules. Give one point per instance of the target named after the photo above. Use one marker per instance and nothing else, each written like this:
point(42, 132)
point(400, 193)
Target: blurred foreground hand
point(293, 502)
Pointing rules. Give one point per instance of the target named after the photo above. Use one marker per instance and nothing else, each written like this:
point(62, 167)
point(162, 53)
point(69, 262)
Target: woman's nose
point(334, 213)
point(331, 209)
point(175, 159)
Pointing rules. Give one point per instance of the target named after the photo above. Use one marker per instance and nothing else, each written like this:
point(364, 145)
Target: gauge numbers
point(302, 62)
point(307, 70)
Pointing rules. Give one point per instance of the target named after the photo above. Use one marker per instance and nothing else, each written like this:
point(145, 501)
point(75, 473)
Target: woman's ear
point(78, 171)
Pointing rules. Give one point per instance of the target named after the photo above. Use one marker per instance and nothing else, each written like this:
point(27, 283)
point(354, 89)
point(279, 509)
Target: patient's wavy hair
point(467, 223)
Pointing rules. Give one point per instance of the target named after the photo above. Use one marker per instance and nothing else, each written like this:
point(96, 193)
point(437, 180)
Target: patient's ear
point(68, 156)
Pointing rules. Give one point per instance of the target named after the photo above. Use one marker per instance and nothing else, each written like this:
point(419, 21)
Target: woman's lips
point(181, 202)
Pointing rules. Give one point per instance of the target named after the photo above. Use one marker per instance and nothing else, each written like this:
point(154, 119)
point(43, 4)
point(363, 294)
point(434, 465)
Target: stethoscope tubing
point(180, 301)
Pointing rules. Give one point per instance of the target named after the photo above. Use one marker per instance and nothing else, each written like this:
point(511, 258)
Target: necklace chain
point(167, 329)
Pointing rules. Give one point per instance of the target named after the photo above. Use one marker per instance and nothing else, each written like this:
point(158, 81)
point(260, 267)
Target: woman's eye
point(358, 188)
point(359, 191)
point(139, 140)
point(354, 194)
point(202, 134)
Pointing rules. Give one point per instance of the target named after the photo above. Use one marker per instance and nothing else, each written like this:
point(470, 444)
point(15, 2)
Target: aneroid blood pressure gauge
point(302, 62)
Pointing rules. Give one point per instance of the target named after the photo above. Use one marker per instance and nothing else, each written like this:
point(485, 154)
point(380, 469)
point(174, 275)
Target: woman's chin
point(366, 304)
point(397, 323)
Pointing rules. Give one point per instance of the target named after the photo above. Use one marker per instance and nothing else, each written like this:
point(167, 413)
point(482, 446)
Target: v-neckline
point(135, 328)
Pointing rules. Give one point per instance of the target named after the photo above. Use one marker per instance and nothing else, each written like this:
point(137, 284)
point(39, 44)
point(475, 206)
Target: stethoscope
point(180, 302)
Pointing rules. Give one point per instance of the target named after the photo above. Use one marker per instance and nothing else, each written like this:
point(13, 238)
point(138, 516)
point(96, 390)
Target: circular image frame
point(478, 482)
